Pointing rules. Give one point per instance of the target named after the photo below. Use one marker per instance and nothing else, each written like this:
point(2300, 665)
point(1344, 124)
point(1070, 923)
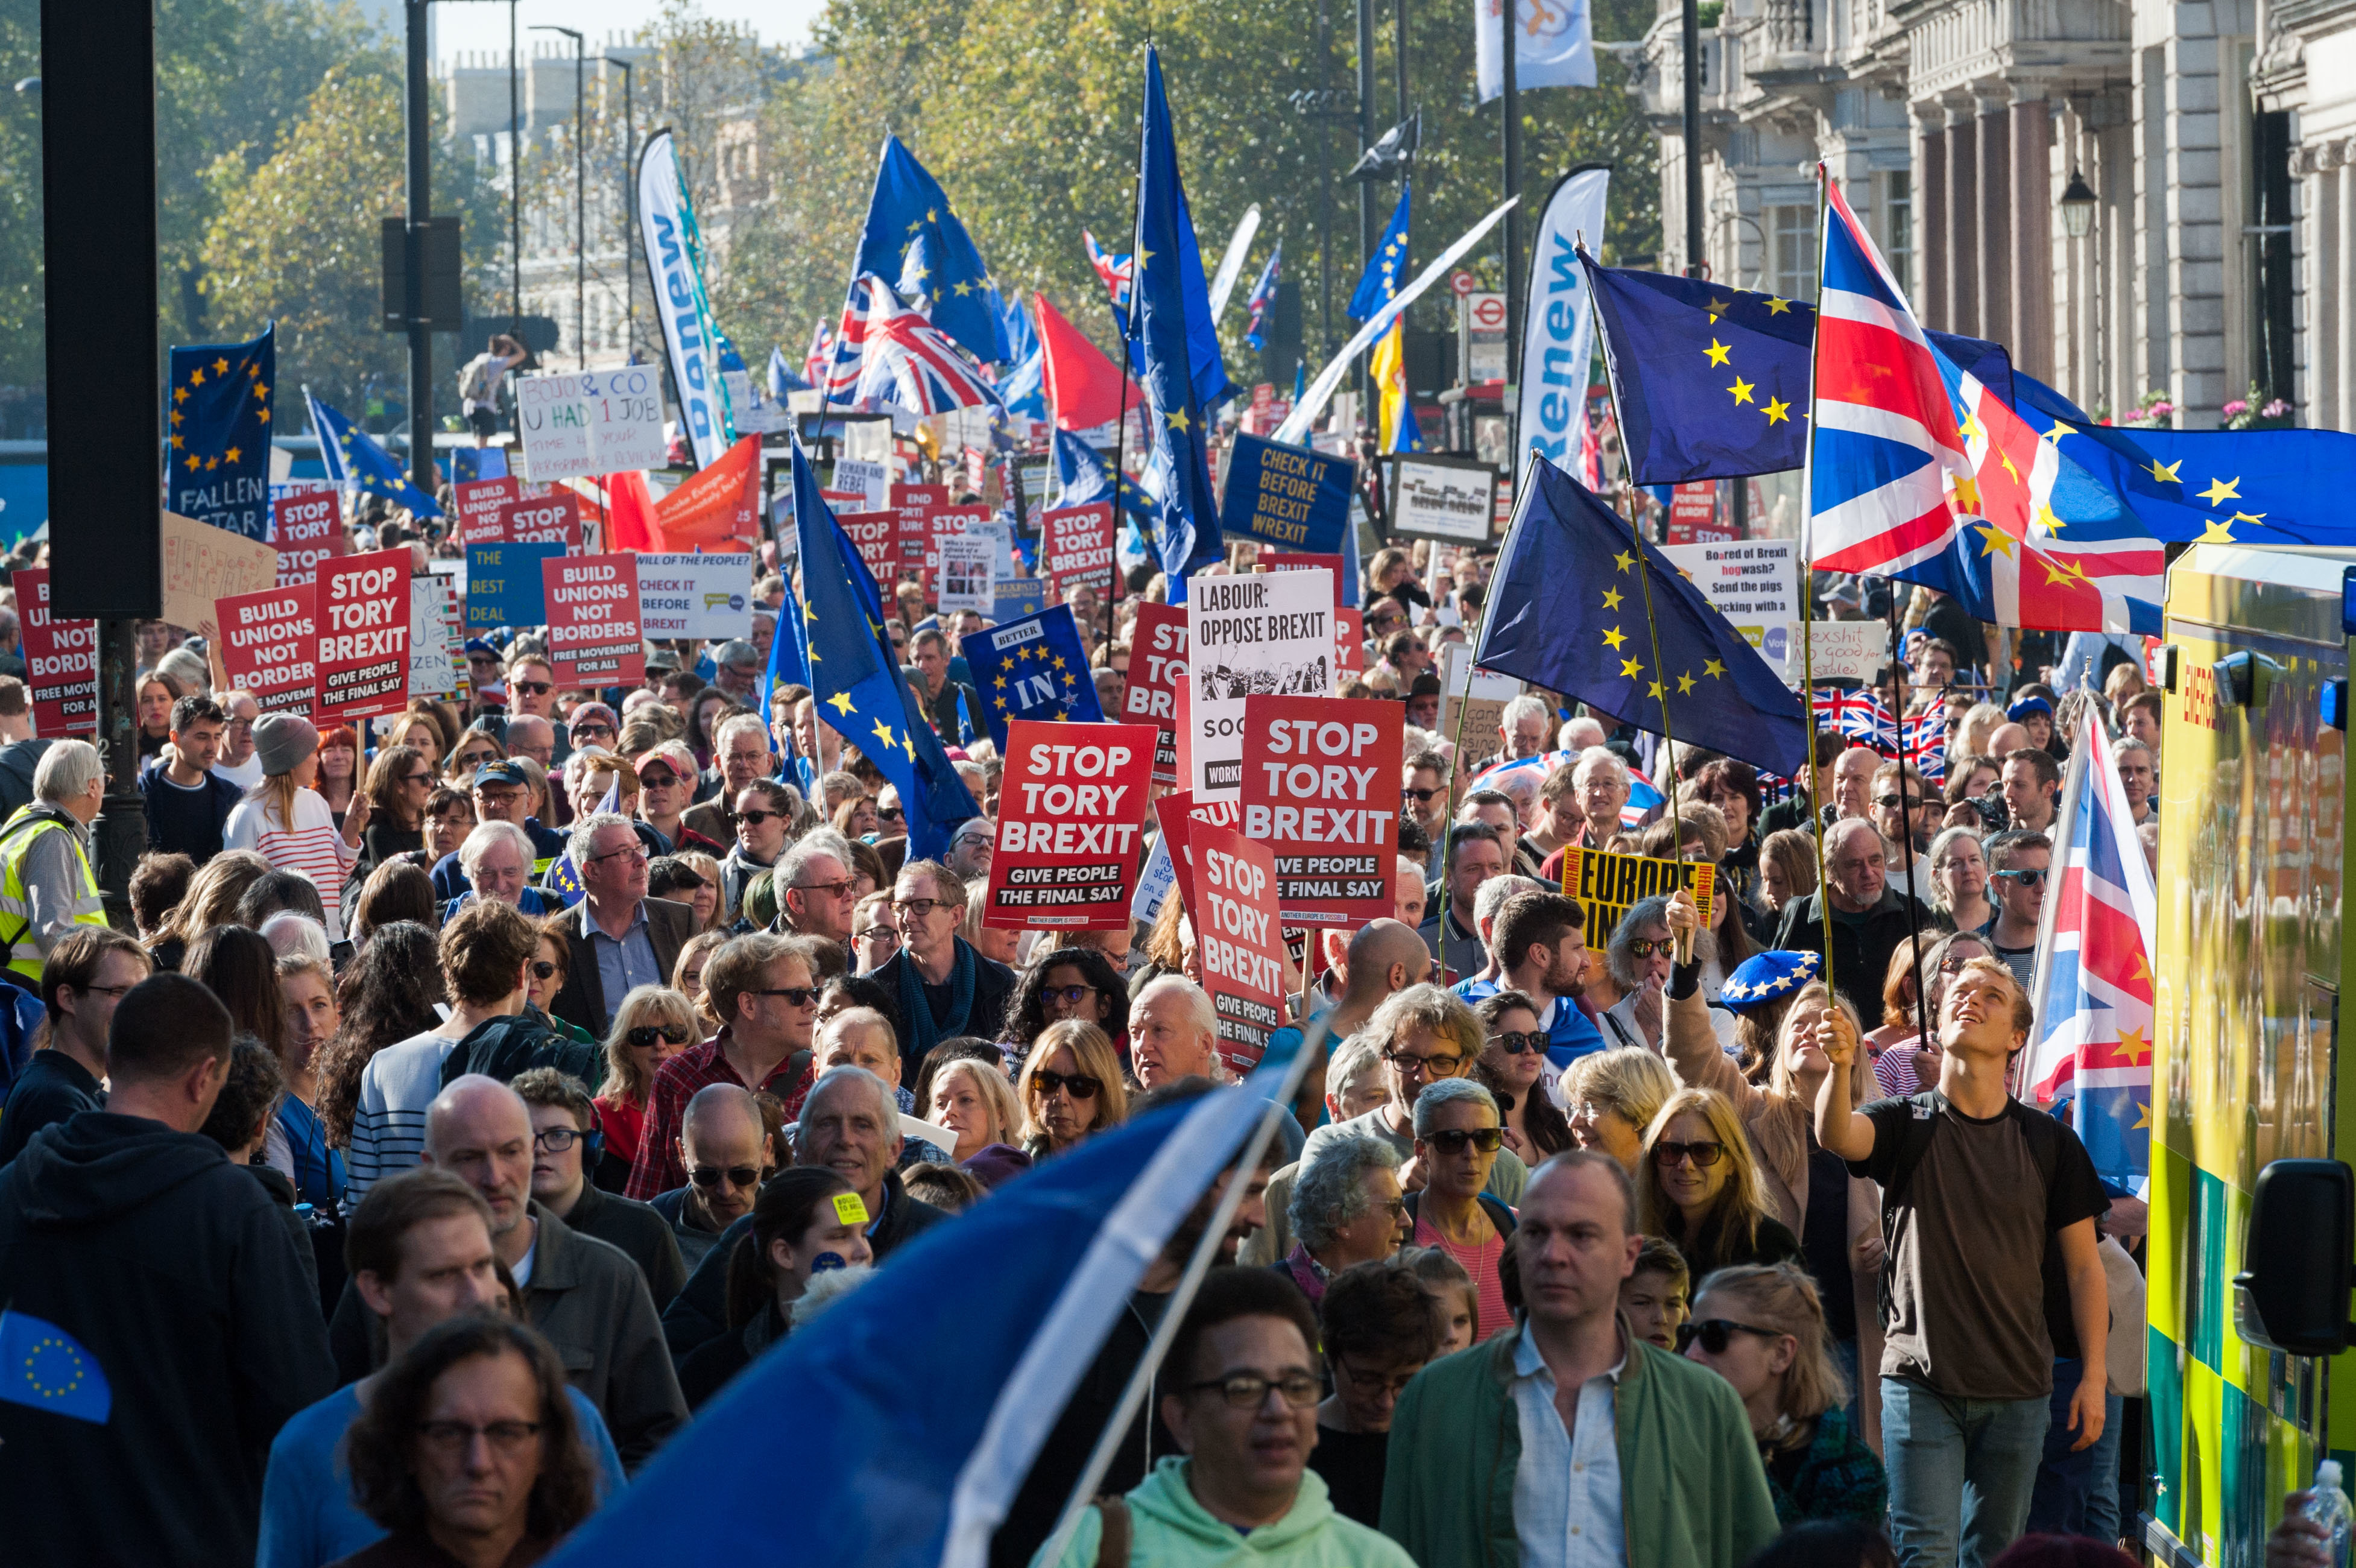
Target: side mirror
point(2292, 1293)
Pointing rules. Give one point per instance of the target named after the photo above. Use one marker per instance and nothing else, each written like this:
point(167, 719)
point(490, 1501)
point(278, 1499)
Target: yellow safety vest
point(17, 838)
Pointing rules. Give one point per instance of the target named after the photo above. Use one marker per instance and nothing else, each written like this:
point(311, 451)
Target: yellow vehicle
point(2252, 855)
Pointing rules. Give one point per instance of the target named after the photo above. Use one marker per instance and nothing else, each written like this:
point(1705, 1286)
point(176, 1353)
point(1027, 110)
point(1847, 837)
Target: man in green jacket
point(1568, 1442)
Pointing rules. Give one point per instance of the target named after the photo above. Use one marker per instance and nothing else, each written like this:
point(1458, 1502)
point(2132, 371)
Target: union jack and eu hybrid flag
point(859, 687)
point(912, 238)
point(353, 458)
point(1032, 669)
point(217, 442)
point(1262, 298)
point(1567, 611)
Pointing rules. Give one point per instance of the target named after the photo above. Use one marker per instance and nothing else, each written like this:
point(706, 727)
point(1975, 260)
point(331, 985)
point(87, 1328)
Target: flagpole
point(1807, 583)
point(1905, 817)
point(1448, 799)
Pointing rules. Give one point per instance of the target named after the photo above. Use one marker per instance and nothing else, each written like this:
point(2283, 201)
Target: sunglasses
point(542, 968)
point(1520, 1044)
point(1453, 1140)
point(2026, 878)
point(1645, 947)
point(891, 813)
point(583, 731)
point(1715, 1333)
point(417, 779)
point(831, 889)
point(734, 1175)
point(646, 1035)
point(1423, 797)
point(757, 817)
point(795, 995)
point(1892, 802)
point(1080, 1086)
point(1070, 995)
point(537, 688)
point(1703, 1155)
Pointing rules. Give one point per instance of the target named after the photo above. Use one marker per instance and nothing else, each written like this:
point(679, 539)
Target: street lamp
point(630, 211)
point(580, 196)
point(2077, 206)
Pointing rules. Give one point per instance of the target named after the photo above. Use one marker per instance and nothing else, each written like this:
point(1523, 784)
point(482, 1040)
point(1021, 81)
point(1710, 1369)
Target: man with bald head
point(863, 1037)
point(1384, 956)
point(725, 1150)
point(1853, 782)
point(1869, 917)
point(586, 1296)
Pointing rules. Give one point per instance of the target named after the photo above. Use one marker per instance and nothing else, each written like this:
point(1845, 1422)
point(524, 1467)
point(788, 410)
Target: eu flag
point(1032, 669)
point(1082, 477)
point(353, 458)
point(859, 687)
point(217, 449)
point(909, 224)
point(1567, 612)
point(44, 1368)
point(1167, 296)
point(1712, 381)
point(1387, 272)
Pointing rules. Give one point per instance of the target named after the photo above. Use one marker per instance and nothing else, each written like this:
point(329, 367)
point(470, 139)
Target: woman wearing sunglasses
point(653, 1024)
point(1457, 1137)
point(1070, 1088)
point(765, 816)
point(1763, 1329)
point(1512, 1067)
point(474, 749)
point(400, 783)
point(1069, 982)
point(806, 1223)
point(1699, 1187)
point(545, 976)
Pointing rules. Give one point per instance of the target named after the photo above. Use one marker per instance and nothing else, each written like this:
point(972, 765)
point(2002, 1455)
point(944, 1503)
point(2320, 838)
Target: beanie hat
point(283, 740)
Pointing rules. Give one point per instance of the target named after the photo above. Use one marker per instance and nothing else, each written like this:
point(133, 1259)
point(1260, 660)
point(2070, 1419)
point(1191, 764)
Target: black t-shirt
point(1967, 1240)
point(1352, 1464)
point(52, 1088)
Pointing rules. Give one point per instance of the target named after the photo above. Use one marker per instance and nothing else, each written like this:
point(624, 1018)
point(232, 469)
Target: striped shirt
point(389, 1123)
point(313, 847)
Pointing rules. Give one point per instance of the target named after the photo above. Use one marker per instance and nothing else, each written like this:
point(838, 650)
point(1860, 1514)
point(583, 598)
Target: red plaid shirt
point(659, 1167)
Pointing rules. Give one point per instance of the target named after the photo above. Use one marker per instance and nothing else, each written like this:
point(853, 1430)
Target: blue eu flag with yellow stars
point(911, 237)
point(857, 684)
point(1712, 381)
point(354, 460)
point(217, 442)
point(1567, 611)
point(1032, 669)
point(1387, 272)
point(44, 1368)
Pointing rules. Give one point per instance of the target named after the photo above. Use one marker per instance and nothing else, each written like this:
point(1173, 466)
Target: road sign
point(1459, 283)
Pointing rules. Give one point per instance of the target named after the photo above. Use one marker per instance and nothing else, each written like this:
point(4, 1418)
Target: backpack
point(2044, 1147)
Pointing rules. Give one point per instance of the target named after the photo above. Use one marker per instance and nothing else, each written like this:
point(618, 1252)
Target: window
point(1792, 251)
point(1898, 220)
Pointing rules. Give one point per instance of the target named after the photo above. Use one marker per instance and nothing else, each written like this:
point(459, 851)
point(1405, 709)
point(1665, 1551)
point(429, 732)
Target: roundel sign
point(1489, 313)
point(1460, 282)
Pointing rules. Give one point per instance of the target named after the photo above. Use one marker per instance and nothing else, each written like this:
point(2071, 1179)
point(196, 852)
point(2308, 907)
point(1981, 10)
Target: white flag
point(1553, 45)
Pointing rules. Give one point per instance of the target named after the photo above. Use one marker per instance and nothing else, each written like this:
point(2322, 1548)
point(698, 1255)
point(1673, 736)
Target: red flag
point(1083, 387)
point(717, 508)
point(630, 523)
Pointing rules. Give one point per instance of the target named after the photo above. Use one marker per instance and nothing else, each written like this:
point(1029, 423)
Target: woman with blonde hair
point(1070, 1088)
point(653, 1024)
point(1612, 1096)
point(1970, 737)
point(213, 896)
point(287, 821)
point(1787, 868)
point(687, 976)
point(973, 1100)
point(1763, 1329)
point(703, 865)
point(1698, 1187)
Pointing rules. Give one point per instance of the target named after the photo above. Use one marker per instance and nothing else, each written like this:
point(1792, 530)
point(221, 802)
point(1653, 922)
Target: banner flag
point(1558, 321)
point(218, 411)
point(1553, 45)
point(1032, 669)
point(674, 254)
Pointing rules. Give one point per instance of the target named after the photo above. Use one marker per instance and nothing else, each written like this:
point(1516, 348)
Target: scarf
point(923, 1032)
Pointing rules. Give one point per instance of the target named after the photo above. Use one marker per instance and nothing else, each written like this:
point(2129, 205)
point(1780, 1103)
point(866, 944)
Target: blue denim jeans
point(1961, 1472)
point(2070, 1497)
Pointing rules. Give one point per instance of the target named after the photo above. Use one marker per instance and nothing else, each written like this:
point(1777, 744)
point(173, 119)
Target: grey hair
point(1518, 710)
point(587, 828)
point(1847, 827)
point(1327, 1192)
point(66, 770)
point(806, 848)
point(735, 723)
point(483, 835)
point(1441, 1092)
point(1352, 1060)
point(1602, 757)
point(289, 932)
point(1653, 911)
point(1441, 1012)
point(2125, 743)
point(1198, 1001)
point(886, 1102)
point(1497, 890)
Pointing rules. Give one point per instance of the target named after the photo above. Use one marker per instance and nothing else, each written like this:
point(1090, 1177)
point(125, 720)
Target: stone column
point(1964, 222)
point(1932, 236)
point(1995, 252)
point(2030, 333)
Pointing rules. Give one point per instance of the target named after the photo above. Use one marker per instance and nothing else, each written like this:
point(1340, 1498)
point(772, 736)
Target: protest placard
point(61, 659)
point(1300, 560)
point(1854, 652)
point(707, 597)
point(967, 575)
point(1606, 884)
point(546, 516)
point(202, 563)
point(306, 529)
point(1287, 496)
point(475, 519)
point(1237, 941)
point(1070, 811)
point(1754, 584)
point(270, 646)
point(592, 422)
point(1076, 545)
point(1479, 695)
point(503, 585)
point(594, 637)
point(946, 523)
point(437, 659)
point(1320, 791)
point(1448, 498)
point(1017, 598)
point(1349, 642)
point(1269, 635)
point(363, 620)
point(1157, 669)
point(1157, 881)
point(871, 482)
point(875, 535)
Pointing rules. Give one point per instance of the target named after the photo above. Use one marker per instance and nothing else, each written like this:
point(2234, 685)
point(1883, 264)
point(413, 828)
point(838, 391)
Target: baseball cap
point(506, 770)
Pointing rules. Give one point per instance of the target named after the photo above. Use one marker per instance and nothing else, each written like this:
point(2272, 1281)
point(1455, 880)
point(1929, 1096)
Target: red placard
point(1238, 942)
point(270, 646)
point(898, 496)
point(1349, 640)
point(309, 527)
point(363, 620)
point(1076, 545)
point(944, 521)
point(874, 533)
point(1303, 560)
point(60, 661)
point(1068, 816)
point(478, 505)
point(1693, 514)
point(551, 518)
point(1157, 673)
point(593, 619)
point(1320, 792)
point(1178, 815)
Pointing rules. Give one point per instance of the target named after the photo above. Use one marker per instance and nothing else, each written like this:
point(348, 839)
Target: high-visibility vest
point(16, 839)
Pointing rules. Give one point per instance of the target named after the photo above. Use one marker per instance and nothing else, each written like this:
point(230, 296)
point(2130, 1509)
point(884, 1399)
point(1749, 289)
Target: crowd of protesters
point(410, 1208)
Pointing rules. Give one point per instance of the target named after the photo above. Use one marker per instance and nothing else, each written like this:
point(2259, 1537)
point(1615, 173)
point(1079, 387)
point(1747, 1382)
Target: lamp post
point(2077, 206)
point(629, 209)
point(515, 182)
point(580, 195)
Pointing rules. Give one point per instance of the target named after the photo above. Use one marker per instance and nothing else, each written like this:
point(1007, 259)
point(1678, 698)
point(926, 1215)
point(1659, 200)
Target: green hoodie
point(1172, 1530)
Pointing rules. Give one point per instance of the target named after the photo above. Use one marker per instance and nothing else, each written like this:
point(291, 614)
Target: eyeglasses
point(634, 849)
point(536, 688)
point(876, 934)
point(1520, 1044)
point(646, 1035)
point(1703, 1155)
point(916, 909)
point(115, 992)
point(1716, 1332)
point(831, 889)
point(1453, 1140)
point(452, 1437)
point(1440, 1066)
point(756, 816)
point(1080, 1086)
point(734, 1175)
point(1249, 1390)
point(417, 779)
point(2026, 878)
point(1070, 995)
point(542, 968)
point(557, 1140)
point(795, 995)
point(1892, 802)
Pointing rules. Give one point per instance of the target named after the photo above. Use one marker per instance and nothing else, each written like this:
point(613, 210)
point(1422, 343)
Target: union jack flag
point(849, 342)
point(911, 362)
point(1262, 298)
point(822, 348)
point(1925, 741)
point(2093, 1042)
point(1859, 714)
point(1116, 271)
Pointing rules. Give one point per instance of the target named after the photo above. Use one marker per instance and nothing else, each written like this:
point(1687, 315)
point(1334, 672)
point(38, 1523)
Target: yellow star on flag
point(2165, 473)
point(176, 446)
point(1655, 691)
point(1001, 682)
point(1713, 668)
point(1998, 539)
point(2006, 458)
point(965, 288)
point(1177, 420)
point(1684, 683)
point(1143, 257)
point(2216, 532)
point(1613, 638)
point(2133, 1046)
point(2055, 577)
point(883, 733)
point(1610, 598)
point(1777, 307)
point(2143, 1117)
point(179, 394)
point(194, 462)
point(1971, 429)
point(840, 704)
point(176, 417)
point(2250, 516)
point(1629, 669)
point(1741, 390)
point(232, 454)
point(2046, 520)
point(1623, 560)
point(197, 377)
point(908, 744)
point(1777, 411)
point(2059, 431)
point(1717, 352)
point(2223, 489)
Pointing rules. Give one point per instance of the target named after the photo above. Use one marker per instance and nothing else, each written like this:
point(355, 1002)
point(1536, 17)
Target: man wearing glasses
point(620, 938)
point(946, 988)
point(2017, 863)
point(564, 1142)
point(1869, 917)
point(816, 893)
point(238, 764)
point(726, 1152)
point(87, 974)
